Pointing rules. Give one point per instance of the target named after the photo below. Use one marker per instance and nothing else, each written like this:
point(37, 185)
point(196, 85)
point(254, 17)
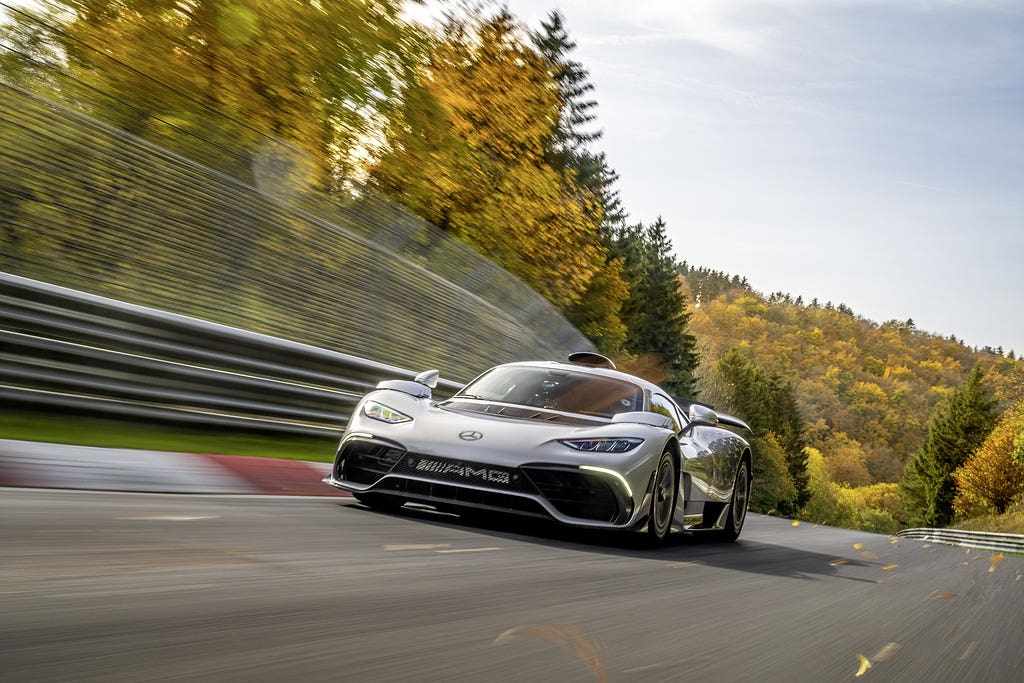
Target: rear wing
point(723, 418)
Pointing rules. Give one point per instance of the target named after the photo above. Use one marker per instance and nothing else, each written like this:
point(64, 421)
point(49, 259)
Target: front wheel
point(663, 500)
point(737, 506)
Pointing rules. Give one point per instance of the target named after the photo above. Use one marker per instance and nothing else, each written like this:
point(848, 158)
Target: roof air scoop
point(592, 360)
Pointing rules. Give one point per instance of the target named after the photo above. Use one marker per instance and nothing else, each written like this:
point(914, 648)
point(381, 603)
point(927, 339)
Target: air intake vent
point(593, 360)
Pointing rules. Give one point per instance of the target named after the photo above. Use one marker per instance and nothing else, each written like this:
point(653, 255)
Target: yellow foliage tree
point(877, 508)
point(469, 157)
point(991, 478)
point(294, 86)
point(845, 458)
point(823, 506)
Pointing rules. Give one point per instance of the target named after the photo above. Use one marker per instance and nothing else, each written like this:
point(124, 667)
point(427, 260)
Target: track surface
point(146, 587)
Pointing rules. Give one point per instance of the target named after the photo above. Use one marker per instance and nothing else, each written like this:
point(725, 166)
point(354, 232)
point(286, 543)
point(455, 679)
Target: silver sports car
point(576, 442)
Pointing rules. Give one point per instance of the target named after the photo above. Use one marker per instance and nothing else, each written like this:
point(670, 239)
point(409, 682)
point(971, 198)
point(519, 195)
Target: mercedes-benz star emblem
point(471, 436)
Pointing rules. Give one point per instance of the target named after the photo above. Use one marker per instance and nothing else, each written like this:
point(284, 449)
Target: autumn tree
point(877, 508)
point(957, 429)
point(823, 504)
point(845, 459)
point(469, 155)
point(295, 86)
point(992, 477)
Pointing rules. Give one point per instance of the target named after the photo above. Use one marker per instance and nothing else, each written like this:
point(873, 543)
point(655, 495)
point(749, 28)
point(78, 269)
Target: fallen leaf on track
point(889, 567)
point(865, 664)
point(796, 522)
point(943, 596)
point(894, 541)
point(567, 637)
point(996, 559)
point(837, 562)
point(858, 546)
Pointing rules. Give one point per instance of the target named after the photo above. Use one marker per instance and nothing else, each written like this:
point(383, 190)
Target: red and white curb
point(47, 465)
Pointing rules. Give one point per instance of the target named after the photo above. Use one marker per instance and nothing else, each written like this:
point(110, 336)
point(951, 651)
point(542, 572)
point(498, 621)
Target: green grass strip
point(87, 430)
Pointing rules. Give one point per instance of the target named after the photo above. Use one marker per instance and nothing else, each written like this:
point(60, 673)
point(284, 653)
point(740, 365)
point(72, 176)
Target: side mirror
point(703, 415)
point(428, 378)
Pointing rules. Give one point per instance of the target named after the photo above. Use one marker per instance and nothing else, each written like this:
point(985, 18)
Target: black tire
point(737, 512)
point(663, 500)
point(379, 501)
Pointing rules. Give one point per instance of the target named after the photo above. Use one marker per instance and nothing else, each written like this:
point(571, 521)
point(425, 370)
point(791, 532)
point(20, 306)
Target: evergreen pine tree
point(588, 180)
point(957, 429)
point(768, 403)
point(569, 148)
point(655, 313)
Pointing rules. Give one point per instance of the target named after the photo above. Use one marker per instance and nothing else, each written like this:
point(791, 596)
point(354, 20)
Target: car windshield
point(557, 389)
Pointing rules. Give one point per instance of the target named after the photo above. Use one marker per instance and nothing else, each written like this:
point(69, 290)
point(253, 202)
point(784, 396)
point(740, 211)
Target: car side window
point(664, 406)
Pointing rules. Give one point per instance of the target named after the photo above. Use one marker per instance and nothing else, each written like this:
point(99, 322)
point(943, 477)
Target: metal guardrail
point(982, 540)
point(88, 206)
point(64, 348)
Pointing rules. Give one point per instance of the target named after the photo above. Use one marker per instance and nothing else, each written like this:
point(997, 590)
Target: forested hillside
point(866, 394)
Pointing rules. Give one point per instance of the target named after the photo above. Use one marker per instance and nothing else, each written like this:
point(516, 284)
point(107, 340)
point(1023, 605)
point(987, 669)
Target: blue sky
point(869, 153)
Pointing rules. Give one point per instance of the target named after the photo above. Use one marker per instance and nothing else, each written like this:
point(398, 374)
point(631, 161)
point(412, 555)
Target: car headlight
point(379, 411)
point(603, 445)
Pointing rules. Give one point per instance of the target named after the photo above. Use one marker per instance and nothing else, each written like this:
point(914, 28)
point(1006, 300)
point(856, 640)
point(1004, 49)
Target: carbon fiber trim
point(365, 462)
point(437, 493)
point(577, 494)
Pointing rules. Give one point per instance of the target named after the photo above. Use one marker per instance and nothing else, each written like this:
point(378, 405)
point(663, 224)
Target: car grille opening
point(576, 494)
point(364, 462)
point(432, 492)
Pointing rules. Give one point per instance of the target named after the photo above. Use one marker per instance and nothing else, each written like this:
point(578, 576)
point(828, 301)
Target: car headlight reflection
point(603, 445)
point(379, 411)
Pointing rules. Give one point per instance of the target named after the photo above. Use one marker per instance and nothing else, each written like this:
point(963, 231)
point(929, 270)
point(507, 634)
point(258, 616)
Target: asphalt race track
point(151, 587)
